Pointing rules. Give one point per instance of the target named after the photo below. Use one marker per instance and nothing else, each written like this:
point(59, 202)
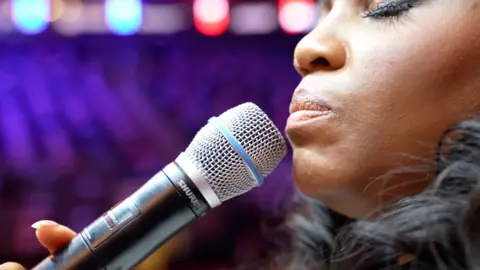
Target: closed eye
point(391, 8)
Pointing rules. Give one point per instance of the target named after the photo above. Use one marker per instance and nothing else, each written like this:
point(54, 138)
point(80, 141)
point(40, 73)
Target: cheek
point(417, 74)
point(401, 94)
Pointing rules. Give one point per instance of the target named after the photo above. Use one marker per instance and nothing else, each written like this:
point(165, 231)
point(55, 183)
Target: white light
point(123, 17)
point(254, 18)
point(72, 12)
point(211, 11)
point(164, 19)
point(91, 20)
point(297, 17)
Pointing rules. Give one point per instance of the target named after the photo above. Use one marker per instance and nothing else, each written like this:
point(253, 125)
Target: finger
point(52, 235)
point(11, 266)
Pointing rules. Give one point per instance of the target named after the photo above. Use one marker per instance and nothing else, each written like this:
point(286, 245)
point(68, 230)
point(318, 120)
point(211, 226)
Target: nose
point(320, 50)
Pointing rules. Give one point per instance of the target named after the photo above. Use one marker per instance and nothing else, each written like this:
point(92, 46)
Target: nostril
point(320, 62)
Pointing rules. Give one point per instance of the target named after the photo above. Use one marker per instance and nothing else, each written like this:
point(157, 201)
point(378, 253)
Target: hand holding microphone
point(51, 235)
point(228, 157)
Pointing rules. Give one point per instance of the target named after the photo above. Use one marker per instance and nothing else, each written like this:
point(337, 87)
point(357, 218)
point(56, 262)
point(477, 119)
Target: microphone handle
point(132, 230)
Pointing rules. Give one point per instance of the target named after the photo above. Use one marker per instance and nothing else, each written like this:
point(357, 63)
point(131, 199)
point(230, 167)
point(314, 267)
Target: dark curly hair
point(436, 229)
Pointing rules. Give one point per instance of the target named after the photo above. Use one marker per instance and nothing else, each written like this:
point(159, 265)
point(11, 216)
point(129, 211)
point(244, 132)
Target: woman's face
point(382, 80)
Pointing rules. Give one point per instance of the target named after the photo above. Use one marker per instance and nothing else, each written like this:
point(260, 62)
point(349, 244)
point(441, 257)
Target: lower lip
point(304, 117)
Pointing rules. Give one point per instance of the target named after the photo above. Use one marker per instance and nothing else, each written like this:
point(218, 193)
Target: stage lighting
point(296, 16)
point(30, 16)
point(254, 18)
point(123, 17)
point(211, 17)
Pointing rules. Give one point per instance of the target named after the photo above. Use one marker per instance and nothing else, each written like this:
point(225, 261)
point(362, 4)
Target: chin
point(320, 178)
point(316, 174)
point(342, 187)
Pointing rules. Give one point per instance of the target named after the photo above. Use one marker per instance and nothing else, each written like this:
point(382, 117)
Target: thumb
point(52, 235)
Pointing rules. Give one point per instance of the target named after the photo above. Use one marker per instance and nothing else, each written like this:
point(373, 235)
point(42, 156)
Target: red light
point(211, 17)
point(296, 16)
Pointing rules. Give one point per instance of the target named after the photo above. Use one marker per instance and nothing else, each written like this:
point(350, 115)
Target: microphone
point(227, 157)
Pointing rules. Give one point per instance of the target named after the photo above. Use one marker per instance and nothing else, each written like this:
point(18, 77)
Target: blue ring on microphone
point(236, 145)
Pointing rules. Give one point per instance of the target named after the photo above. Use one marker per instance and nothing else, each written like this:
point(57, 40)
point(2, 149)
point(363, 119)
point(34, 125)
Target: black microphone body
point(228, 157)
point(130, 231)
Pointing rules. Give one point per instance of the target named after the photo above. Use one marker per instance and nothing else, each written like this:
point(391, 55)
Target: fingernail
point(10, 266)
point(37, 224)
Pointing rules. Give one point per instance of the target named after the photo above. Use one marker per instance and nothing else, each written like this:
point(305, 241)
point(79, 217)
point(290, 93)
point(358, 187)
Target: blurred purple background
point(86, 119)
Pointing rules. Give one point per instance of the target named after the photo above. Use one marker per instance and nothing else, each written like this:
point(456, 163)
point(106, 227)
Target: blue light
point(30, 16)
point(123, 17)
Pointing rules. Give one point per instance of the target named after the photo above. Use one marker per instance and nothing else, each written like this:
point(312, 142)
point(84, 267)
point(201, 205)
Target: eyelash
point(390, 10)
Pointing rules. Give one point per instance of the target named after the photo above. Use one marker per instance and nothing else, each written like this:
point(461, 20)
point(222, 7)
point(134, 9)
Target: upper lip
point(308, 103)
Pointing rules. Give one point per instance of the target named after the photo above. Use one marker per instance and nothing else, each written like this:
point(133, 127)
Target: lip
point(309, 104)
point(305, 110)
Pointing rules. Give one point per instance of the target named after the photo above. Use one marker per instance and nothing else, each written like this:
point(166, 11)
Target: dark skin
point(51, 235)
point(393, 83)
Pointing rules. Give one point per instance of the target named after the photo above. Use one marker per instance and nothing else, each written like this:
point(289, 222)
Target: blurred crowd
point(85, 121)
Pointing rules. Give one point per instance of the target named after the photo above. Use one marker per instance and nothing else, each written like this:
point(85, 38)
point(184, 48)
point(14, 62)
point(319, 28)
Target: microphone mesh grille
point(220, 163)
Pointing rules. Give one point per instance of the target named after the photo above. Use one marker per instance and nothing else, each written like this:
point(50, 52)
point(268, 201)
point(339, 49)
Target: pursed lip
point(304, 109)
point(309, 104)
